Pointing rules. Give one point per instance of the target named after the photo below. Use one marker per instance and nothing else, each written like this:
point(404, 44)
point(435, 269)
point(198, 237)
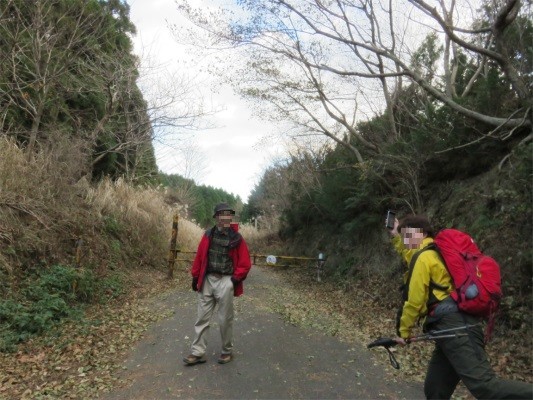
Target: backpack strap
point(210, 231)
point(414, 259)
point(432, 299)
point(235, 239)
point(405, 287)
point(432, 285)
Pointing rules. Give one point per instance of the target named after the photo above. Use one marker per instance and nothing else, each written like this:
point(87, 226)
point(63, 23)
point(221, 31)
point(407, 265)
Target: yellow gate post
point(172, 251)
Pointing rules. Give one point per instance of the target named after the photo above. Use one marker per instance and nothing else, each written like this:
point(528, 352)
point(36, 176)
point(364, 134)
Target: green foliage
point(439, 163)
point(69, 69)
point(482, 224)
point(112, 225)
point(146, 165)
point(174, 180)
point(208, 197)
point(57, 293)
point(201, 199)
point(343, 197)
point(520, 178)
point(426, 56)
point(115, 250)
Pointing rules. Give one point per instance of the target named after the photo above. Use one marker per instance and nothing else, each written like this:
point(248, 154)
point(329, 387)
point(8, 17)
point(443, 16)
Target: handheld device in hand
point(391, 217)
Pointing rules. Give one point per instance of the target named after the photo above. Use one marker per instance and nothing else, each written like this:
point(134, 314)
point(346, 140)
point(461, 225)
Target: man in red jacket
point(221, 264)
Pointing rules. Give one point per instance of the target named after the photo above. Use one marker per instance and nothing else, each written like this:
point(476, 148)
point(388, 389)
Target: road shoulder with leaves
point(294, 338)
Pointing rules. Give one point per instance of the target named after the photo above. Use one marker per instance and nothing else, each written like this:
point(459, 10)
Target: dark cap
point(223, 207)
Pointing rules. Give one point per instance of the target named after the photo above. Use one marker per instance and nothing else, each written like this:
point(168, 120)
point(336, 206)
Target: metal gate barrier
point(269, 260)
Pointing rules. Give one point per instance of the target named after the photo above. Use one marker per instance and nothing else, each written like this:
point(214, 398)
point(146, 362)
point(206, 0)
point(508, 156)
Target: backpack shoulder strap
point(430, 246)
point(234, 239)
point(209, 232)
point(405, 286)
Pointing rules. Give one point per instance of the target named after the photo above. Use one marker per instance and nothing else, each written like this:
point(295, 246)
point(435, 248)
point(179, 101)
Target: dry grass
point(49, 216)
point(250, 233)
point(189, 235)
point(137, 219)
point(29, 189)
point(259, 240)
point(35, 204)
point(46, 211)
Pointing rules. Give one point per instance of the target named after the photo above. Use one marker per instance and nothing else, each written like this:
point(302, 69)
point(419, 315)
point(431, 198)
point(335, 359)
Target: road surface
point(272, 359)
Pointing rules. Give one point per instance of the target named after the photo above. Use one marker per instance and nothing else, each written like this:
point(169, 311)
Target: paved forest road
point(272, 359)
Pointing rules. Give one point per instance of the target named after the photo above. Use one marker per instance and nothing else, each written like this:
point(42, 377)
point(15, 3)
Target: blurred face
point(224, 219)
point(412, 237)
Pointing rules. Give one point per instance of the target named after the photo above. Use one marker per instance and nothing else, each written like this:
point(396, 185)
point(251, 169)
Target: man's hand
point(394, 231)
point(194, 284)
point(400, 341)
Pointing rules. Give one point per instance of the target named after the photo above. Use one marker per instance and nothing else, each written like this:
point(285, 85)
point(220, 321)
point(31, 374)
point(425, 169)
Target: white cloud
point(233, 160)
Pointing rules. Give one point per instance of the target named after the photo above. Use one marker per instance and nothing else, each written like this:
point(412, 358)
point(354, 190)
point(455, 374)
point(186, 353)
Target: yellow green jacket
point(428, 268)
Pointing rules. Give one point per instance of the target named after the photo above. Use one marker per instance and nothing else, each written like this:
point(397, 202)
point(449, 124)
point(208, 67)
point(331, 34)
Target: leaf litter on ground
point(352, 314)
point(82, 360)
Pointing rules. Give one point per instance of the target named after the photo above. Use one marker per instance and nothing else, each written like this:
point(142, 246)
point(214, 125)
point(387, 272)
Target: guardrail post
point(172, 251)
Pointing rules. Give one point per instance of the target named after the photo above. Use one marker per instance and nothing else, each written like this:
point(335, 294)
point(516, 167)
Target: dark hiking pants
point(464, 358)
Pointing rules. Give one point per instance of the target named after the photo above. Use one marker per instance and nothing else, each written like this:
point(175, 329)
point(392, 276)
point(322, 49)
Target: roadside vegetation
point(79, 264)
point(66, 246)
point(442, 143)
point(85, 215)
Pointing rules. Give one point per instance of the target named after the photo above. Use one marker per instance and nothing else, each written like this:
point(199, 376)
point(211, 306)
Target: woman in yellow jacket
point(427, 297)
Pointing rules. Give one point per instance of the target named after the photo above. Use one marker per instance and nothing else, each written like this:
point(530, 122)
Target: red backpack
point(476, 276)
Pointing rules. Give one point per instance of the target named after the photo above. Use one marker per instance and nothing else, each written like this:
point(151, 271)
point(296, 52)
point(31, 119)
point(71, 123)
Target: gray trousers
point(464, 358)
point(217, 289)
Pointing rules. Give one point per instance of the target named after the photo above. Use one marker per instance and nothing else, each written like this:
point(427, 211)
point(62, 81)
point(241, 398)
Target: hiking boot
point(224, 358)
point(193, 360)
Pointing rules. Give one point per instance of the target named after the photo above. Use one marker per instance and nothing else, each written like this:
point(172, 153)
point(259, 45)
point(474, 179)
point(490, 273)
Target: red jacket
point(238, 253)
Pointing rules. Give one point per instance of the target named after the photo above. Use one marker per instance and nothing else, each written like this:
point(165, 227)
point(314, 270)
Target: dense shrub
point(55, 294)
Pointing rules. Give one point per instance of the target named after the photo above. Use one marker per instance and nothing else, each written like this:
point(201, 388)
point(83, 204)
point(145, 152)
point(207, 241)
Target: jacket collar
point(425, 243)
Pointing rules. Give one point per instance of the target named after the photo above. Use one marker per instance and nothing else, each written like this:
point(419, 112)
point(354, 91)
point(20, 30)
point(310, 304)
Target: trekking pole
point(387, 343)
point(441, 334)
point(459, 328)
point(422, 338)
